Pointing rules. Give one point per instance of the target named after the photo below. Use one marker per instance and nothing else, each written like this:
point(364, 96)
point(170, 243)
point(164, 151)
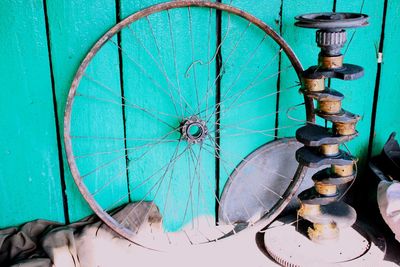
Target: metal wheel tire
point(204, 129)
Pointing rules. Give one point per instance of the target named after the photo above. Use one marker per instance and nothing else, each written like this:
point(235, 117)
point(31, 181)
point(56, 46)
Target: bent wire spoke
point(225, 62)
point(225, 113)
point(242, 122)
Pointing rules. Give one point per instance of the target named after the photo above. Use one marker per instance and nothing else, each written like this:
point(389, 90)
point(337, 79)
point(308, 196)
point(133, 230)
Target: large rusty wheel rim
point(104, 216)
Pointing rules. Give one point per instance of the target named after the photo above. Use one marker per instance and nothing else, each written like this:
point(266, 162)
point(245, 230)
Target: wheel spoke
point(119, 157)
point(232, 165)
point(126, 101)
point(182, 98)
point(193, 60)
point(251, 163)
point(189, 198)
point(123, 149)
point(225, 215)
point(242, 68)
point(173, 159)
point(225, 62)
point(242, 122)
point(143, 70)
point(160, 66)
point(160, 58)
point(171, 163)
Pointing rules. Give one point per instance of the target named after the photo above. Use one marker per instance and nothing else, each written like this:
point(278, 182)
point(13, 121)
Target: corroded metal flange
point(315, 135)
point(326, 176)
point(311, 157)
point(331, 20)
point(345, 72)
point(312, 197)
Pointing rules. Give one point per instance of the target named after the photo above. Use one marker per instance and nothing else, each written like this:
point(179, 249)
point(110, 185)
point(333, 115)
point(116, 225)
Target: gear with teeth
point(194, 130)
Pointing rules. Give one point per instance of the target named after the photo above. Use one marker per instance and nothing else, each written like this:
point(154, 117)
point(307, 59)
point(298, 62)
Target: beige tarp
point(91, 243)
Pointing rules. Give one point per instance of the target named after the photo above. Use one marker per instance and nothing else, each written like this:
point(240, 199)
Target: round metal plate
point(356, 246)
point(330, 20)
point(256, 184)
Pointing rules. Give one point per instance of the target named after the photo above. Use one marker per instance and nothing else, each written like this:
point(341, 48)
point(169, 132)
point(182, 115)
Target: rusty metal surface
point(330, 62)
point(322, 145)
point(310, 85)
point(331, 42)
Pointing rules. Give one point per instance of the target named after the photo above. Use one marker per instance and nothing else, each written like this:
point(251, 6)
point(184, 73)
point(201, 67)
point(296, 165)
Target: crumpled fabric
point(388, 197)
point(88, 242)
point(19, 244)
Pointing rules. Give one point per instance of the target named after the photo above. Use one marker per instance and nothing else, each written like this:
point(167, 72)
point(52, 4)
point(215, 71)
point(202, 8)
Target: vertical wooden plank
point(250, 61)
point(361, 50)
point(302, 41)
point(388, 108)
point(74, 27)
point(161, 74)
point(29, 168)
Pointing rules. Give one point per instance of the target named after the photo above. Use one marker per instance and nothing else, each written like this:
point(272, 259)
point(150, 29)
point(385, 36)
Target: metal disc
point(356, 246)
point(331, 20)
point(251, 192)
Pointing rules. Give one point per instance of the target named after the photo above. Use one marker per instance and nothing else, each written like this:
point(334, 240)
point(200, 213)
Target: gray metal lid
point(332, 20)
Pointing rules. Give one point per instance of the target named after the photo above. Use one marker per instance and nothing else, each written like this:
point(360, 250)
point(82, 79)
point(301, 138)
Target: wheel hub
point(193, 130)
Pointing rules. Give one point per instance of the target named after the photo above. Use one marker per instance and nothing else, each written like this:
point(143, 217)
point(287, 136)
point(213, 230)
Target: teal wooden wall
point(43, 43)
